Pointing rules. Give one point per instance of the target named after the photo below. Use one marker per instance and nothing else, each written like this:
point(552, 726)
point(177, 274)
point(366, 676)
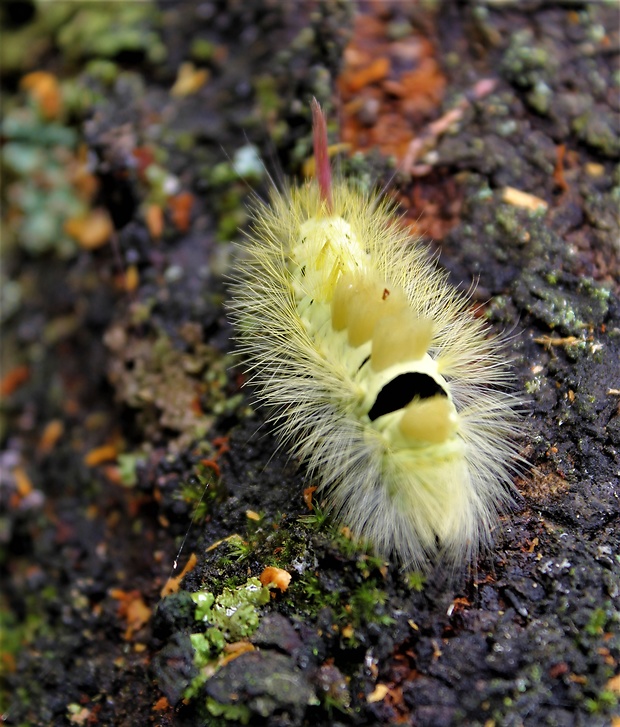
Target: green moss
point(107, 29)
point(230, 180)
point(239, 549)
point(83, 29)
point(598, 621)
point(598, 128)
point(267, 96)
point(367, 562)
point(317, 518)
point(310, 596)
point(104, 70)
point(416, 581)
point(365, 604)
point(233, 712)
point(602, 703)
point(199, 490)
point(202, 50)
point(320, 520)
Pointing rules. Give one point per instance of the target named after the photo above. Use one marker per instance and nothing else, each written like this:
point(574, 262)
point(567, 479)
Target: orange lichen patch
point(211, 464)
point(132, 279)
point(99, 455)
point(132, 609)
point(23, 483)
point(421, 89)
point(558, 172)
point(275, 577)
point(52, 432)
point(217, 543)
point(45, 89)
point(154, 217)
point(82, 716)
point(533, 545)
point(399, 79)
point(308, 492)
point(196, 406)
point(161, 705)
point(559, 670)
point(607, 657)
point(173, 585)
point(13, 380)
point(112, 474)
point(8, 662)
point(189, 80)
point(376, 70)
point(578, 679)
point(91, 231)
point(613, 685)
point(180, 208)
point(399, 112)
point(252, 515)
point(222, 445)
point(144, 157)
point(83, 180)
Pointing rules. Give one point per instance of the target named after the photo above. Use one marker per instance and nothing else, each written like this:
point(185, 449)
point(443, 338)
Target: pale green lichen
point(168, 386)
point(570, 311)
point(39, 160)
point(229, 617)
point(234, 611)
point(83, 28)
point(525, 62)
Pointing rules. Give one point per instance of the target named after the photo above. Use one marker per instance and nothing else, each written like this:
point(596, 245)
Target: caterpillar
point(376, 370)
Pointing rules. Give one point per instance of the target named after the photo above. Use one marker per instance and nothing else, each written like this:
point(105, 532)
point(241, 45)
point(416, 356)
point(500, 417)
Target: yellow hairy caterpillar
point(378, 373)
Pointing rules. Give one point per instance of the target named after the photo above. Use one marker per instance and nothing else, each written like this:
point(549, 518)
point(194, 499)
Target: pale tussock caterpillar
point(377, 371)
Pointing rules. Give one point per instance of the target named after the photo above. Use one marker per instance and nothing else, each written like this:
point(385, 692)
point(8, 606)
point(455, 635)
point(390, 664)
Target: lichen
point(569, 307)
point(229, 617)
point(82, 29)
point(167, 385)
point(41, 163)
